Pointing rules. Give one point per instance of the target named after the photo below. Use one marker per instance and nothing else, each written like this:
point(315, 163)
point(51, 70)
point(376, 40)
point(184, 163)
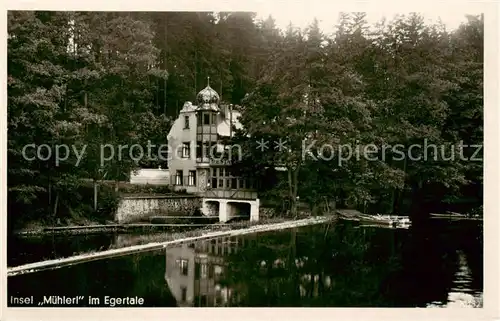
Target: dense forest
point(87, 79)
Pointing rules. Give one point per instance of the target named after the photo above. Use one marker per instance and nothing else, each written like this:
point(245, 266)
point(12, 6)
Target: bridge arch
point(238, 210)
point(228, 209)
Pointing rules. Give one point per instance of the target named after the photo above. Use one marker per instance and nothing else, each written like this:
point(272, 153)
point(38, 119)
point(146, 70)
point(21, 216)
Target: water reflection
point(335, 265)
point(462, 293)
point(193, 272)
point(278, 269)
point(218, 272)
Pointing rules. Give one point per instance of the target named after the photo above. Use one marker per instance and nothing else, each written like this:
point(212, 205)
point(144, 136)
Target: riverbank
point(79, 208)
point(103, 228)
point(66, 242)
point(155, 223)
point(162, 241)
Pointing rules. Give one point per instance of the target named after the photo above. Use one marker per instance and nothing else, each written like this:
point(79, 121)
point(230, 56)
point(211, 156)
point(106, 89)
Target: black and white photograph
point(268, 159)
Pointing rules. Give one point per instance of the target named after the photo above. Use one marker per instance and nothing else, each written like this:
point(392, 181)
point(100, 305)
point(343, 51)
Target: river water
point(329, 265)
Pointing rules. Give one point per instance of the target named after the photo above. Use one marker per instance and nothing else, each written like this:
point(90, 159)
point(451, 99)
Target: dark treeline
point(95, 78)
point(405, 96)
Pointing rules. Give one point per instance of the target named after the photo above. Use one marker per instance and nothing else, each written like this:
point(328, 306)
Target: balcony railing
point(232, 194)
point(214, 161)
point(220, 162)
point(203, 159)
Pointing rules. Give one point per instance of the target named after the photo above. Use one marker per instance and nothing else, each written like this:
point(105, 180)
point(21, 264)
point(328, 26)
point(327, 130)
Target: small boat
point(403, 226)
point(385, 220)
point(391, 220)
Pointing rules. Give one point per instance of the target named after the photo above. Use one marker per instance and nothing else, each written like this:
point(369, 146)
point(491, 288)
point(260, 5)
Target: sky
point(300, 12)
point(302, 17)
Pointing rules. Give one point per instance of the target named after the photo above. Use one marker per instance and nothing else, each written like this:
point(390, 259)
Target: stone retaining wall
point(135, 208)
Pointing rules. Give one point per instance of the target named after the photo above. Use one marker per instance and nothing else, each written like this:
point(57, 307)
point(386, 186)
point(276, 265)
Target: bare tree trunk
point(95, 195)
point(56, 203)
point(294, 191)
point(195, 72)
point(166, 69)
point(290, 192)
point(157, 93)
point(85, 94)
point(164, 96)
point(393, 201)
point(117, 179)
point(50, 191)
point(313, 207)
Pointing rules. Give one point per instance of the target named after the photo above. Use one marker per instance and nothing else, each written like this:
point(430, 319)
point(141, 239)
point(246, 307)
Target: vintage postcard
point(167, 159)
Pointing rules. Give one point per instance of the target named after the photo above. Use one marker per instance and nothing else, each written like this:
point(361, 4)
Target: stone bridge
point(231, 208)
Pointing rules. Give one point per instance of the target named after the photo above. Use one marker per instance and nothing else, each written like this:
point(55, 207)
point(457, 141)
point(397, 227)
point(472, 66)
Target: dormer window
point(186, 122)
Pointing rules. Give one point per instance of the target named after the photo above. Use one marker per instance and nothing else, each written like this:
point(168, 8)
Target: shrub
point(107, 202)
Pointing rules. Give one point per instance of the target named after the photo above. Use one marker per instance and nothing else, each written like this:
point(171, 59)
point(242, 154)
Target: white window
point(186, 151)
point(192, 178)
point(204, 271)
point(178, 178)
point(184, 267)
point(218, 270)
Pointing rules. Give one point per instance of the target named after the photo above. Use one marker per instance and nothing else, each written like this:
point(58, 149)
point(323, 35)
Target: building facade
point(199, 160)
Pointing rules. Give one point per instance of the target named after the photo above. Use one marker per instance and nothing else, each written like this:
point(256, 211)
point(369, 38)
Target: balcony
point(208, 161)
point(203, 161)
point(220, 162)
point(228, 193)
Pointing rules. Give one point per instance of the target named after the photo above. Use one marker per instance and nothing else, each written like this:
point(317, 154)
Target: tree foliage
point(402, 83)
point(87, 79)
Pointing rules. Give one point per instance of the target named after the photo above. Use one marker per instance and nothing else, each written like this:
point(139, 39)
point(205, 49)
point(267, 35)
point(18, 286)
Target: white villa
point(199, 161)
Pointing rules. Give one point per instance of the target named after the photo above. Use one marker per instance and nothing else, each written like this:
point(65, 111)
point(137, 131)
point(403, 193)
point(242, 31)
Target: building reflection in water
point(195, 272)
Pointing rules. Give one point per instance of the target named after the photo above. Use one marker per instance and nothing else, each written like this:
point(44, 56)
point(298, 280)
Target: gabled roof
point(188, 107)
